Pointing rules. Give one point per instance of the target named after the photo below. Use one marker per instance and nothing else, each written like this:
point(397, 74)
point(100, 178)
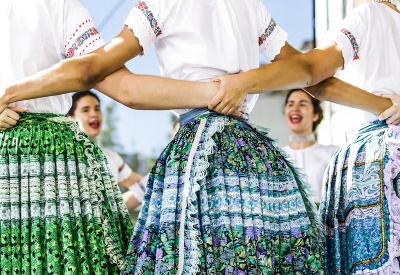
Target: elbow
point(134, 100)
point(311, 76)
point(129, 93)
point(88, 74)
point(320, 92)
point(85, 75)
point(304, 72)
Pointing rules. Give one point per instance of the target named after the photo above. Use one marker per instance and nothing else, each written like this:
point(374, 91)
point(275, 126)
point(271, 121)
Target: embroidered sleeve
point(146, 23)
point(124, 171)
point(349, 36)
point(271, 37)
point(80, 34)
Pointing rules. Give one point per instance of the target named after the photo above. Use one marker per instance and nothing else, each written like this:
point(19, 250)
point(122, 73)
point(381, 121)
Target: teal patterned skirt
point(60, 210)
point(221, 199)
point(361, 206)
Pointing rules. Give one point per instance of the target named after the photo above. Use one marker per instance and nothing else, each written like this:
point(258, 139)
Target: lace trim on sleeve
point(271, 40)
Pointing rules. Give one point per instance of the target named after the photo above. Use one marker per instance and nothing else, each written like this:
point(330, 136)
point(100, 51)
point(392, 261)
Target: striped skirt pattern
point(60, 210)
point(221, 199)
point(361, 206)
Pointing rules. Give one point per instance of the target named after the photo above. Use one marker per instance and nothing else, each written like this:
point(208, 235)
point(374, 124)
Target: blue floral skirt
point(361, 206)
point(221, 199)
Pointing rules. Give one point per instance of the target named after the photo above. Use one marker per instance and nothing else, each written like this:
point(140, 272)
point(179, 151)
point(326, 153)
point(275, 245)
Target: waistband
point(366, 128)
point(31, 116)
point(187, 117)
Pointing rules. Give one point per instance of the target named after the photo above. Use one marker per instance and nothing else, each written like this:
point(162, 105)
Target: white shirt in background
point(313, 162)
point(117, 165)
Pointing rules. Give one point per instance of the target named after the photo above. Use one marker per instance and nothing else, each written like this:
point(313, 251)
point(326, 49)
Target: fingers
point(386, 114)
point(215, 101)
point(18, 109)
point(396, 122)
point(392, 114)
point(8, 119)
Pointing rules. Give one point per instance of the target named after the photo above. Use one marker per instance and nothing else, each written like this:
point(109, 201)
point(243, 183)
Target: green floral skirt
point(61, 211)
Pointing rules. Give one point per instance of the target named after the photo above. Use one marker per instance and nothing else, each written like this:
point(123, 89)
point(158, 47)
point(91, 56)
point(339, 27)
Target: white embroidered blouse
point(37, 34)
point(369, 38)
point(198, 40)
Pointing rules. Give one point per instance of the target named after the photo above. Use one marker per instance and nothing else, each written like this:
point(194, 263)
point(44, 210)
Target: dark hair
point(317, 109)
point(76, 97)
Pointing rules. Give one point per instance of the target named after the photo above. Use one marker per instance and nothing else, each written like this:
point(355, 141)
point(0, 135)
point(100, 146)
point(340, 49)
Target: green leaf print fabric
point(60, 210)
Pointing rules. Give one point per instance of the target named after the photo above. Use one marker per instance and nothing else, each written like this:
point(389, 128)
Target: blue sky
point(147, 132)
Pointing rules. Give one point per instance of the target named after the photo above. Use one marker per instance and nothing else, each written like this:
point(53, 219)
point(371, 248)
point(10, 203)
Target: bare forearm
point(156, 93)
point(292, 69)
point(295, 71)
point(270, 79)
point(337, 91)
point(61, 78)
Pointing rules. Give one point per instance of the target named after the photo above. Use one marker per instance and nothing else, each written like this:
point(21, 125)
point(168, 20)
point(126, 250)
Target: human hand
point(392, 115)
point(230, 96)
point(9, 117)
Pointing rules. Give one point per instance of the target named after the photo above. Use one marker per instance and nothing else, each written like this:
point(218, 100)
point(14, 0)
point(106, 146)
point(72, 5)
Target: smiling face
point(299, 113)
point(89, 116)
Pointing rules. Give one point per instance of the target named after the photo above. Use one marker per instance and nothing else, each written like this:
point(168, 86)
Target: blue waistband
point(186, 117)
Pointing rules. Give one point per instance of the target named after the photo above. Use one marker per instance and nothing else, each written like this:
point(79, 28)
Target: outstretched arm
point(340, 92)
point(156, 93)
point(85, 72)
point(292, 69)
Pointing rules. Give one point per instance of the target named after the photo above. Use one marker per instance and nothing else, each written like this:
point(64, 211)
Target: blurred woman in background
point(303, 114)
point(86, 110)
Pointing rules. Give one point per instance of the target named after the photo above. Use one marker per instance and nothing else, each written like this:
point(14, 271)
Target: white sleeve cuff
point(138, 189)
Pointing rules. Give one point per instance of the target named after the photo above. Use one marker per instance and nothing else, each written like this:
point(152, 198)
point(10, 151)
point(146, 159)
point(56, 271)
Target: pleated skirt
point(61, 211)
point(221, 199)
point(361, 206)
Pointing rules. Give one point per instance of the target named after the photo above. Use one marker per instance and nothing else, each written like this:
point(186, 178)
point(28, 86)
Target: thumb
point(18, 109)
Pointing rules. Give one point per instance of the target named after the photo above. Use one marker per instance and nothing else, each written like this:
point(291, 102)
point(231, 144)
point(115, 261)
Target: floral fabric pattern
point(353, 43)
point(80, 38)
point(58, 215)
point(360, 204)
point(250, 216)
point(149, 15)
point(267, 32)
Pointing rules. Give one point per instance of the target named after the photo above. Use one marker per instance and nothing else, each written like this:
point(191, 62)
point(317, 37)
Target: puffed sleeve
point(146, 22)
point(350, 34)
point(271, 37)
point(80, 33)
